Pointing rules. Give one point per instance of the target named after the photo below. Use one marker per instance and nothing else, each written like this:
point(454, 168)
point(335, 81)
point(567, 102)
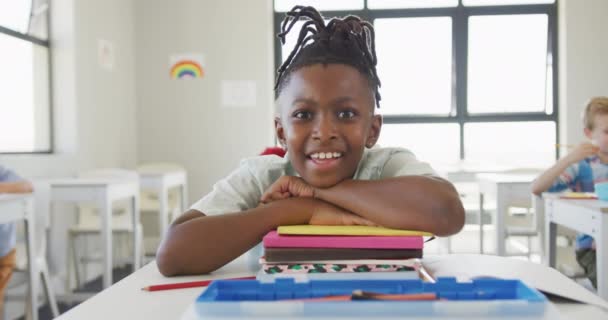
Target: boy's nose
point(324, 129)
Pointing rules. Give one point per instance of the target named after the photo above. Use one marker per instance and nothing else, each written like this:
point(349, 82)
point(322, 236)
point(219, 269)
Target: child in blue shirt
point(327, 90)
point(9, 183)
point(579, 170)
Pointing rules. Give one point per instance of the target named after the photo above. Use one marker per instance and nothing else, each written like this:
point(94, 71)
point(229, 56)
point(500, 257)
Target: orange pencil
point(183, 285)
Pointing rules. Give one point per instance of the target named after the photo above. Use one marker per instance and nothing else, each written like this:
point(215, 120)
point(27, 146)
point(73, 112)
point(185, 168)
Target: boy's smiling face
point(325, 121)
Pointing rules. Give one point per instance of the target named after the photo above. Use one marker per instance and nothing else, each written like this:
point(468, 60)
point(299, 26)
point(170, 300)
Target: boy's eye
point(302, 115)
point(347, 114)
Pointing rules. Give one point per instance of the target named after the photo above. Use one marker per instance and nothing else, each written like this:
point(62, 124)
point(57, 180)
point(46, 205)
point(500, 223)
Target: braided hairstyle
point(348, 41)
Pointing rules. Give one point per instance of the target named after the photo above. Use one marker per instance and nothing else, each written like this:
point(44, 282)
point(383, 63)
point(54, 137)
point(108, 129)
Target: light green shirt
point(244, 187)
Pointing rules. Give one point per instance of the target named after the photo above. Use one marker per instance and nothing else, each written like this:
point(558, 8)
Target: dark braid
point(349, 41)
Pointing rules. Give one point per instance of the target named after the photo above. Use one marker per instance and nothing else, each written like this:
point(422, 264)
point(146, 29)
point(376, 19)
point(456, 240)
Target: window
point(463, 81)
point(25, 107)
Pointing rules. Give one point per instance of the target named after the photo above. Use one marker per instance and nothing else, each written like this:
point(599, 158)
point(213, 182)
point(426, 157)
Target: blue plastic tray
point(250, 298)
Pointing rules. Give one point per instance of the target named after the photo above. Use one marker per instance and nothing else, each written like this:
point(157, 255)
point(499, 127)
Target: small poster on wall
point(105, 54)
point(186, 66)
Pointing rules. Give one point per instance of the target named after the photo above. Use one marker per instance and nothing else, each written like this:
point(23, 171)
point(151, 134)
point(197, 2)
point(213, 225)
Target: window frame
point(460, 16)
point(44, 43)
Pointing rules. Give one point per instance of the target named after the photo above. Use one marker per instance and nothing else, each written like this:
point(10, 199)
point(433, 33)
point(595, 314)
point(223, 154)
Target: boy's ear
point(374, 132)
point(588, 133)
point(280, 132)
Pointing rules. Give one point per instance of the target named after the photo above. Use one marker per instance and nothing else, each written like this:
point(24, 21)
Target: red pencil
point(191, 284)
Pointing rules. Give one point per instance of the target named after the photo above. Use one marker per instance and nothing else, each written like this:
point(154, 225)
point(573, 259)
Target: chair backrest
point(111, 173)
point(86, 212)
point(159, 167)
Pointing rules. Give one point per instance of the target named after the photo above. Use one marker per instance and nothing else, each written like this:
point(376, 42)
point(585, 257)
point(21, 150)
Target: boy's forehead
point(326, 82)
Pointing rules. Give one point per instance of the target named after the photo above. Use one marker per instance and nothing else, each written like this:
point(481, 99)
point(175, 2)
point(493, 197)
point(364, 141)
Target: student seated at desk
point(327, 90)
point(9, 183)
point(585, 165)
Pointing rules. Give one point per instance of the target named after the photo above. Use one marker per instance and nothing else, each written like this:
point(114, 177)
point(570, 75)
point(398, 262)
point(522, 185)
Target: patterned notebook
point(305, 254)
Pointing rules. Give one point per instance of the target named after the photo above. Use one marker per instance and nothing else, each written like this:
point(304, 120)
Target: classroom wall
point(184, 121)
point(583, 62)
point(93, 108)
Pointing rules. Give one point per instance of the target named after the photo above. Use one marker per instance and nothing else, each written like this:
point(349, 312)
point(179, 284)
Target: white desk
point(585, 216)
point(15, 207)
point(160, 183)
point(102, 193)
point(505, 188)
point(126, 300)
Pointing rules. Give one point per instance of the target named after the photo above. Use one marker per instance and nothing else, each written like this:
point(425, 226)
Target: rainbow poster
point(186, 66)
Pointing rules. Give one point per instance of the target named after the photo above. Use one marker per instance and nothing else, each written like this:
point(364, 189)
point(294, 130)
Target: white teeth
point(326, 155)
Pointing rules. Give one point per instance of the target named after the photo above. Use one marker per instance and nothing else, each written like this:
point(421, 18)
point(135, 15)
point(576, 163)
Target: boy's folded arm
point(198, 244)
point(424, 203)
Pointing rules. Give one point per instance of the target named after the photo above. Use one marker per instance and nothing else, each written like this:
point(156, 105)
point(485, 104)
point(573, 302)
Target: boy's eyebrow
point(313, 102)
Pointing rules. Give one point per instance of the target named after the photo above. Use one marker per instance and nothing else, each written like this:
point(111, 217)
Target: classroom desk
point(585, 216)
point(505, 188)
point(126, 300)
point(15, 207)
point(102, 193)
point(160, 183)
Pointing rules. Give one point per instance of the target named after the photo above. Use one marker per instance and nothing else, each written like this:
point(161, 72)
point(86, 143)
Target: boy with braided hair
point(326, 93)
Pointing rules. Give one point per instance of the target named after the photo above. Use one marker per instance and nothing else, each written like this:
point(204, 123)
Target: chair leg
point(28, 306)
point(74, 262)
point(68, 263)
point(48, 288)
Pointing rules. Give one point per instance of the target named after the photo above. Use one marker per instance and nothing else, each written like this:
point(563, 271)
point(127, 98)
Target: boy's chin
point(322, 183)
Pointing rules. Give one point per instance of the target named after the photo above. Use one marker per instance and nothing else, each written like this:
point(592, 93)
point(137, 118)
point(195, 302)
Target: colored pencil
point(191, 284)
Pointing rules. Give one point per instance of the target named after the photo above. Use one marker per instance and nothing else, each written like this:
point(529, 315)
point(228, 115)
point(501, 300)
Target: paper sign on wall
point(105, 54)
point(186, 66)
point(238, 93)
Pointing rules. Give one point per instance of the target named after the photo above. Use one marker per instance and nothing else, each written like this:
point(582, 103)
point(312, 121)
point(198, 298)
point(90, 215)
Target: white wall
point(182, 120)
point(583, 61)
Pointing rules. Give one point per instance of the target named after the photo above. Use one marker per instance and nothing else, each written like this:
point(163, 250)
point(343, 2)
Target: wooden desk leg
point(105, 210)
point(601, 244)
point(30, 245)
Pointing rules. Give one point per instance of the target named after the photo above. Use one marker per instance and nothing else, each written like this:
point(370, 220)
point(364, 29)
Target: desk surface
point(126, 300)
point(507, 177)
point(586, 203)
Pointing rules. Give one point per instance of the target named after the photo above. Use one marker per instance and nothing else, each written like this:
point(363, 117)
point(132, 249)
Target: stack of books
point(293, 251)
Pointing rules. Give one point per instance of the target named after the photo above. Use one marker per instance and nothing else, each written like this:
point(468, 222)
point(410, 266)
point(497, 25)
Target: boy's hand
point(582, 151)
point(286, 187)
point(330, 215)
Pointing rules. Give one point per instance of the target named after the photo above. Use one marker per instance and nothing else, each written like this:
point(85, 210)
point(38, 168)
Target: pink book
point(274, 240)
